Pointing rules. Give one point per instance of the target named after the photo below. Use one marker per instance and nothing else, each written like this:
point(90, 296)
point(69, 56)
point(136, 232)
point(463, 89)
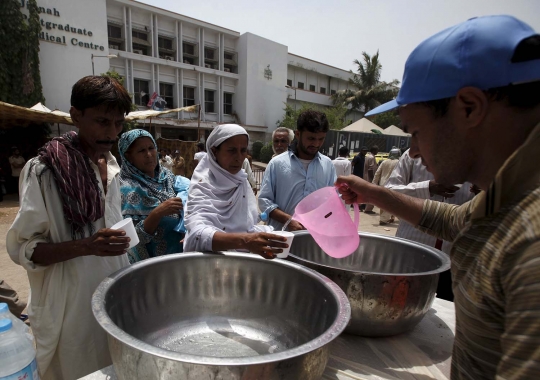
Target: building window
point(166, 92)
point(140, 35)
point(210, 58)
point(141, 92)
point(209, 103)
point(230, 68)
point(189, 96)
point(312, 87)
point(165, 48)
point(332, 92)
point(140, 49)
point(165, 43)
point(227, 103)
point(323, 90)
point(189, 53)
point(229, 62)
point(300, 85)
point(188, 48)
point(114, 31)
point(289, 82)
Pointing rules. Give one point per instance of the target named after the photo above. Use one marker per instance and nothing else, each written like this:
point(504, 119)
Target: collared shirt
point(496, 270)
point(70, 343)
point(410, 177)
point(342, 165)
point(286, 182)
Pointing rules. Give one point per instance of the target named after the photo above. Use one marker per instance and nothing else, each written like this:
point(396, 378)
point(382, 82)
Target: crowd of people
point(469, 185)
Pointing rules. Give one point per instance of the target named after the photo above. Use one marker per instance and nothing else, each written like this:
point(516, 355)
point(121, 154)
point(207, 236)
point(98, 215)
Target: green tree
point(267, 152)
point(386, 119)
point(335, 115)
point(367, 91)
point(20, 79)
point(256, 150)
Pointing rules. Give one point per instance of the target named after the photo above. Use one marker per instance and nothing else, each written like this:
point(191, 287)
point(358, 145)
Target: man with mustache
point(70, 197)
point(295, 174)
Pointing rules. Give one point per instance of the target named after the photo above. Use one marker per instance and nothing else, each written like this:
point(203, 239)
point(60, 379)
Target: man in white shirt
point(342, 163)
point(70, 197)
point(293, 175)
point(199, 155)
point(16, 161)
point(411, 177)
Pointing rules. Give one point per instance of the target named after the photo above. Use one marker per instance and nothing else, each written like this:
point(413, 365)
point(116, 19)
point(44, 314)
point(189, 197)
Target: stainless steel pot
point(219, 316)
point(390, 282)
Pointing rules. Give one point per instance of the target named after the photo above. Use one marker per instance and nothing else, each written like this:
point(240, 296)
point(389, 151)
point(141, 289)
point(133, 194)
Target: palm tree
point(367, 90)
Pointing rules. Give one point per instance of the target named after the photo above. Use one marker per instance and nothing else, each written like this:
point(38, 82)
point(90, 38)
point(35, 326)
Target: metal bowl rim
point(445, 265)
point(337, 327)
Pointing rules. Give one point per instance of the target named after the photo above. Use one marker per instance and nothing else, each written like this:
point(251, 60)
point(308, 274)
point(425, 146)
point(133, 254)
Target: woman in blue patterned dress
point(149, 197)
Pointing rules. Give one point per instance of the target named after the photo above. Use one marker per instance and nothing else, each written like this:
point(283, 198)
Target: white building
point(236, 78)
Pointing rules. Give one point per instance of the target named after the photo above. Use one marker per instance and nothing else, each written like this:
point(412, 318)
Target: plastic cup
point(290, 237)
point(127, 226)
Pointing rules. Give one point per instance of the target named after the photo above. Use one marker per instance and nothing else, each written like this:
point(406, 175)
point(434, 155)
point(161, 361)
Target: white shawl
point(219, 201)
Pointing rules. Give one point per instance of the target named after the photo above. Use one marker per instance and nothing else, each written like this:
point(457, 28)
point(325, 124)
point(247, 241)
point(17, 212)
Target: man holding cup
point(70, 197)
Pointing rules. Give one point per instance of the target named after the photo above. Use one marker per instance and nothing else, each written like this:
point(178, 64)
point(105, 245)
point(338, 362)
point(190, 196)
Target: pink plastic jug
point(326, 218)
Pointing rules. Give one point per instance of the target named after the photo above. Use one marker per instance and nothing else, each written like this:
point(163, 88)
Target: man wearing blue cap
point(471, 100)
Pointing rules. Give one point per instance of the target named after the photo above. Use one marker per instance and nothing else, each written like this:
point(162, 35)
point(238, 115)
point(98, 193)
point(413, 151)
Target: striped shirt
point(496, 271)
point(411, 177)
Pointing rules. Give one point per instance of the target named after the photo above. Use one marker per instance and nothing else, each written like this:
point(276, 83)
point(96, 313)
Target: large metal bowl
point(219, 316)
point(390, 282)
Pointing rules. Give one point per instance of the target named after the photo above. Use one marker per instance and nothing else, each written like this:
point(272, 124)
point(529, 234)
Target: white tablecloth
point(423, 353)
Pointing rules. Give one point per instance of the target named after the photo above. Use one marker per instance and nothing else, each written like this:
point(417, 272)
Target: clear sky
point(336, 32)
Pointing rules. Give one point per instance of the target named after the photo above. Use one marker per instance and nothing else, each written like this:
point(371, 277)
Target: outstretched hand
point(354, 189)
point(265, 244)
point(107, 242)
point(445, 191)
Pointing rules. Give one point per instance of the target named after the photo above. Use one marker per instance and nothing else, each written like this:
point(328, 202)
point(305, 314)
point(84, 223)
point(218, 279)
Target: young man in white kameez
point(70, 197)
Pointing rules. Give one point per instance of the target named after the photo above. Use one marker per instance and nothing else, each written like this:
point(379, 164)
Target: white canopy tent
point(363, 125)
point(395, 131)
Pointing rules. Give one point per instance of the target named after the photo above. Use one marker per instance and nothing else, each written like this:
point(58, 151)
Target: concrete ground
point(16, 277)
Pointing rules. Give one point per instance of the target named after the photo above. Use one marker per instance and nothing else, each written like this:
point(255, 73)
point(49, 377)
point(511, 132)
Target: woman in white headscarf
point(221, 211)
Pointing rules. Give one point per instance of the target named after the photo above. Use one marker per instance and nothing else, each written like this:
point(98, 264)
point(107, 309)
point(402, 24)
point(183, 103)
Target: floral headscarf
point(140, 193)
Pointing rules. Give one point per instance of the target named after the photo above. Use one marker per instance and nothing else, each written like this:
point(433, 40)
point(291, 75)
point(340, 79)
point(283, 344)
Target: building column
point(157, 80)
point(181, 90)
point(129, 37)
point(156, 34)
point(152, 34)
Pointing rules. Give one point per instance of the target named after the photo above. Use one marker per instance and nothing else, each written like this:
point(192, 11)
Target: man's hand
point(475, 189)
point(106, 242)
point(295, 226)
point(445, 191)
point(354, 189)
point(264, 244)
point(169, 207)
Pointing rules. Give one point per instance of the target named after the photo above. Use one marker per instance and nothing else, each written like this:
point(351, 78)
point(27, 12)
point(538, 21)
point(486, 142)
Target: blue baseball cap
point(477, 53)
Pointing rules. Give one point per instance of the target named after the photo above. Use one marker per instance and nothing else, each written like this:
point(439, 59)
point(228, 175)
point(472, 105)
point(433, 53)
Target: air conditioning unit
point(227, 69)
point(114, 47)
point(137, 51)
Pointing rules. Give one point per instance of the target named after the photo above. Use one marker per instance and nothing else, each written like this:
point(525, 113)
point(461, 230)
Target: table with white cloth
point(421, 354)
